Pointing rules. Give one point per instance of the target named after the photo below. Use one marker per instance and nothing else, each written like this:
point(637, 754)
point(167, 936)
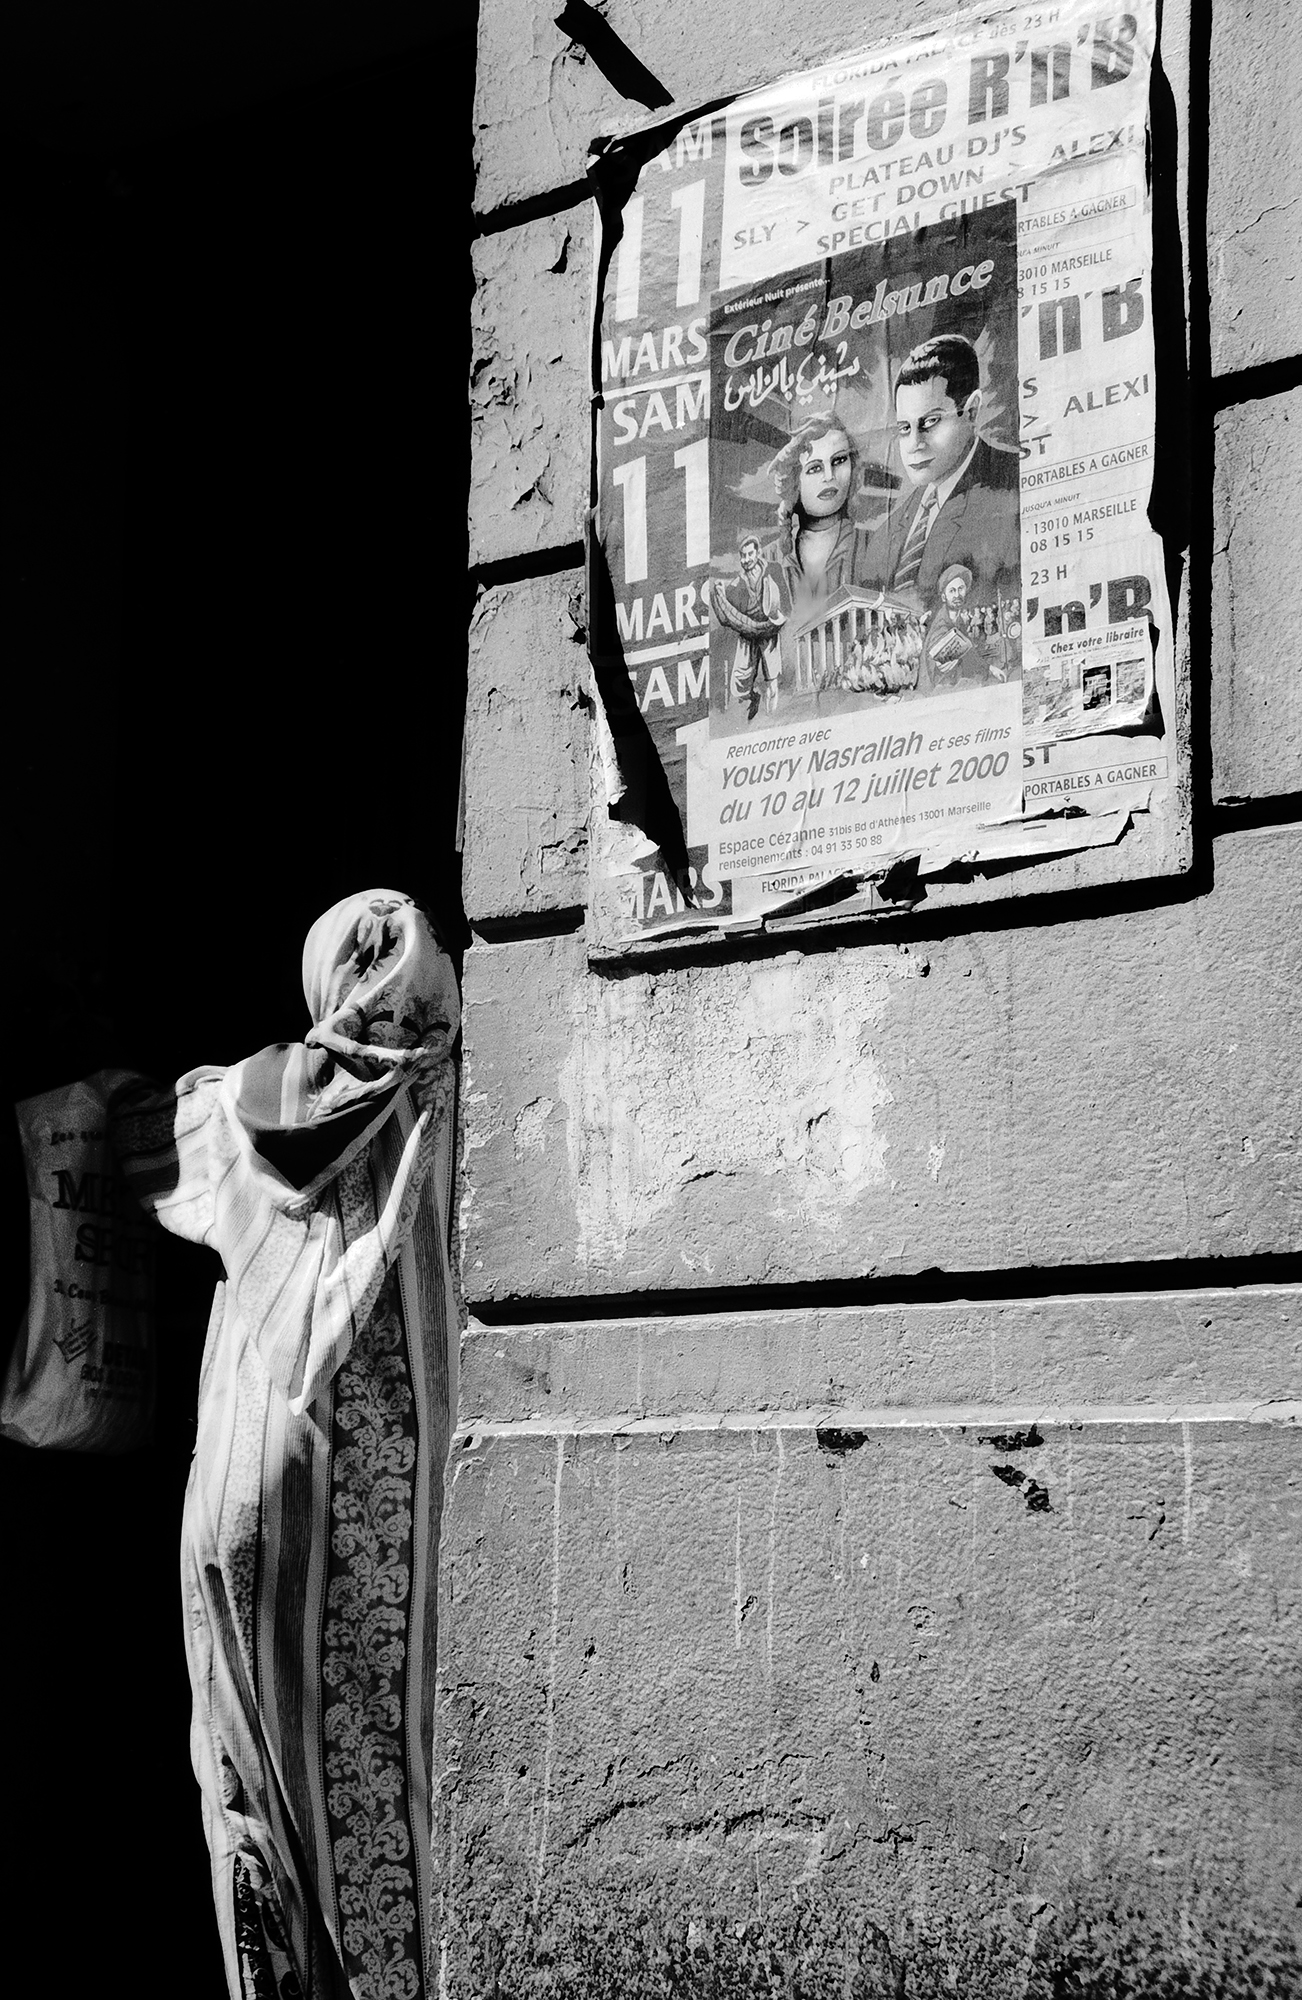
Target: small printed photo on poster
point(1096, 687)
point(1132, 680)
point(864, 479)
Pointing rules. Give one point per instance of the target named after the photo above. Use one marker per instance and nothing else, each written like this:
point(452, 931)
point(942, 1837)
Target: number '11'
point(692, 460)
point(690, 204)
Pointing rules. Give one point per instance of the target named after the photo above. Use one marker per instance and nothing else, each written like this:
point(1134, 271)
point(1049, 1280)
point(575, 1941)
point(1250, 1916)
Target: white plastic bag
point(81, 1376)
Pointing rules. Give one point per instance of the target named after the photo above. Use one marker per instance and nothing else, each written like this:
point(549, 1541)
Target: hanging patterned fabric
point(320, 1174)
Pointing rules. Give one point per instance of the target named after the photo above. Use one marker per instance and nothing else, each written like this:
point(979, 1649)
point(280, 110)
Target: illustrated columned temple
point(851, 613)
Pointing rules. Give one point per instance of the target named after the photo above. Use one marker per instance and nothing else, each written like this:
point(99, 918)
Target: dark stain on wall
point(1035, 1495)
point(1007, 1441)
point(590, 31)
point(835, 1443)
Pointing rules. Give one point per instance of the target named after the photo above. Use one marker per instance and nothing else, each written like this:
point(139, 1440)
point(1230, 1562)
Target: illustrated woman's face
point(825, 474)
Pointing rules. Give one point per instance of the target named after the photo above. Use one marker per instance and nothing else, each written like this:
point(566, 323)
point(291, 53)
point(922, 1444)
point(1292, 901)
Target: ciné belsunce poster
point(874, 420)
point(866, 590)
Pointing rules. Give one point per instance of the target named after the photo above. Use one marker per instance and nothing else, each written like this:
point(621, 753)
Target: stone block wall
point(871, 1553)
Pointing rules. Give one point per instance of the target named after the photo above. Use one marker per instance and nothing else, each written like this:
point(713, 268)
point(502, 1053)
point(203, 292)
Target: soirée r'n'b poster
point(874, 409)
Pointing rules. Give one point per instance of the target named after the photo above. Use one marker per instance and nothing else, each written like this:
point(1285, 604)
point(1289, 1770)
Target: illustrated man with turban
point(947, 641)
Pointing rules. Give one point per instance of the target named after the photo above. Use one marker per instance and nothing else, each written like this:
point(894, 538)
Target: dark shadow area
point(934, 1287)
point(537, 924)
point(514, 214)
point(591, 32)
point(1245, 815)
point(648, 802)
point(235, 522)
point(1254, 385)
point(1185, 440)
point(533, 562)
point(1175, 467)
point(295, 529)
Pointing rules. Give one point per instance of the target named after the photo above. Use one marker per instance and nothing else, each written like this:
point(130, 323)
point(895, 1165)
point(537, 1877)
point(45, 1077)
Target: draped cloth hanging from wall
point(320, 1173)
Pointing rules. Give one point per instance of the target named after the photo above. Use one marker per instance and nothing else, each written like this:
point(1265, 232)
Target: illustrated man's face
point(935, 436)
point(825, 474)
point(750, 555)
point(955, 592)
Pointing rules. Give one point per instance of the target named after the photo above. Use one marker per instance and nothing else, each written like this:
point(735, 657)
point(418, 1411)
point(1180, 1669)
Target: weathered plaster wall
point(917, 1675)
point(528, 386)
point(1254, 191)
point(1257, 728)
point(526, 852)
point(875, 1109)
point(795, 1641)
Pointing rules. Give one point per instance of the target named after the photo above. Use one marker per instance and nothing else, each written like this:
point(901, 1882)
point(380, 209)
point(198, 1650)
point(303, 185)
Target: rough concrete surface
point(1256, 682)
point(1168, 1349)
point(1115, 1088)
point(1254, 195)
point(529, 425)
point(540, 99)
point(816, 1713)
point(527, 702)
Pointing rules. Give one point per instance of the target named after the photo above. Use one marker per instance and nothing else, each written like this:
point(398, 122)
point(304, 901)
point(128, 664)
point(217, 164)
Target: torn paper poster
point(874, 420)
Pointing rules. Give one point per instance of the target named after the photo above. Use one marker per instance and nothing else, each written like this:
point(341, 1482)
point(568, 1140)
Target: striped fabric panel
point(311, 1531)
point(162, 1145)
point(376, 1199)
point(291, 1613)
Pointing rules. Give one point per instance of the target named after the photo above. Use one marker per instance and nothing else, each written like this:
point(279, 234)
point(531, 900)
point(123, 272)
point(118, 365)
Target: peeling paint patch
point(528, 1128)
point(528, 323)
point(760, 1071)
